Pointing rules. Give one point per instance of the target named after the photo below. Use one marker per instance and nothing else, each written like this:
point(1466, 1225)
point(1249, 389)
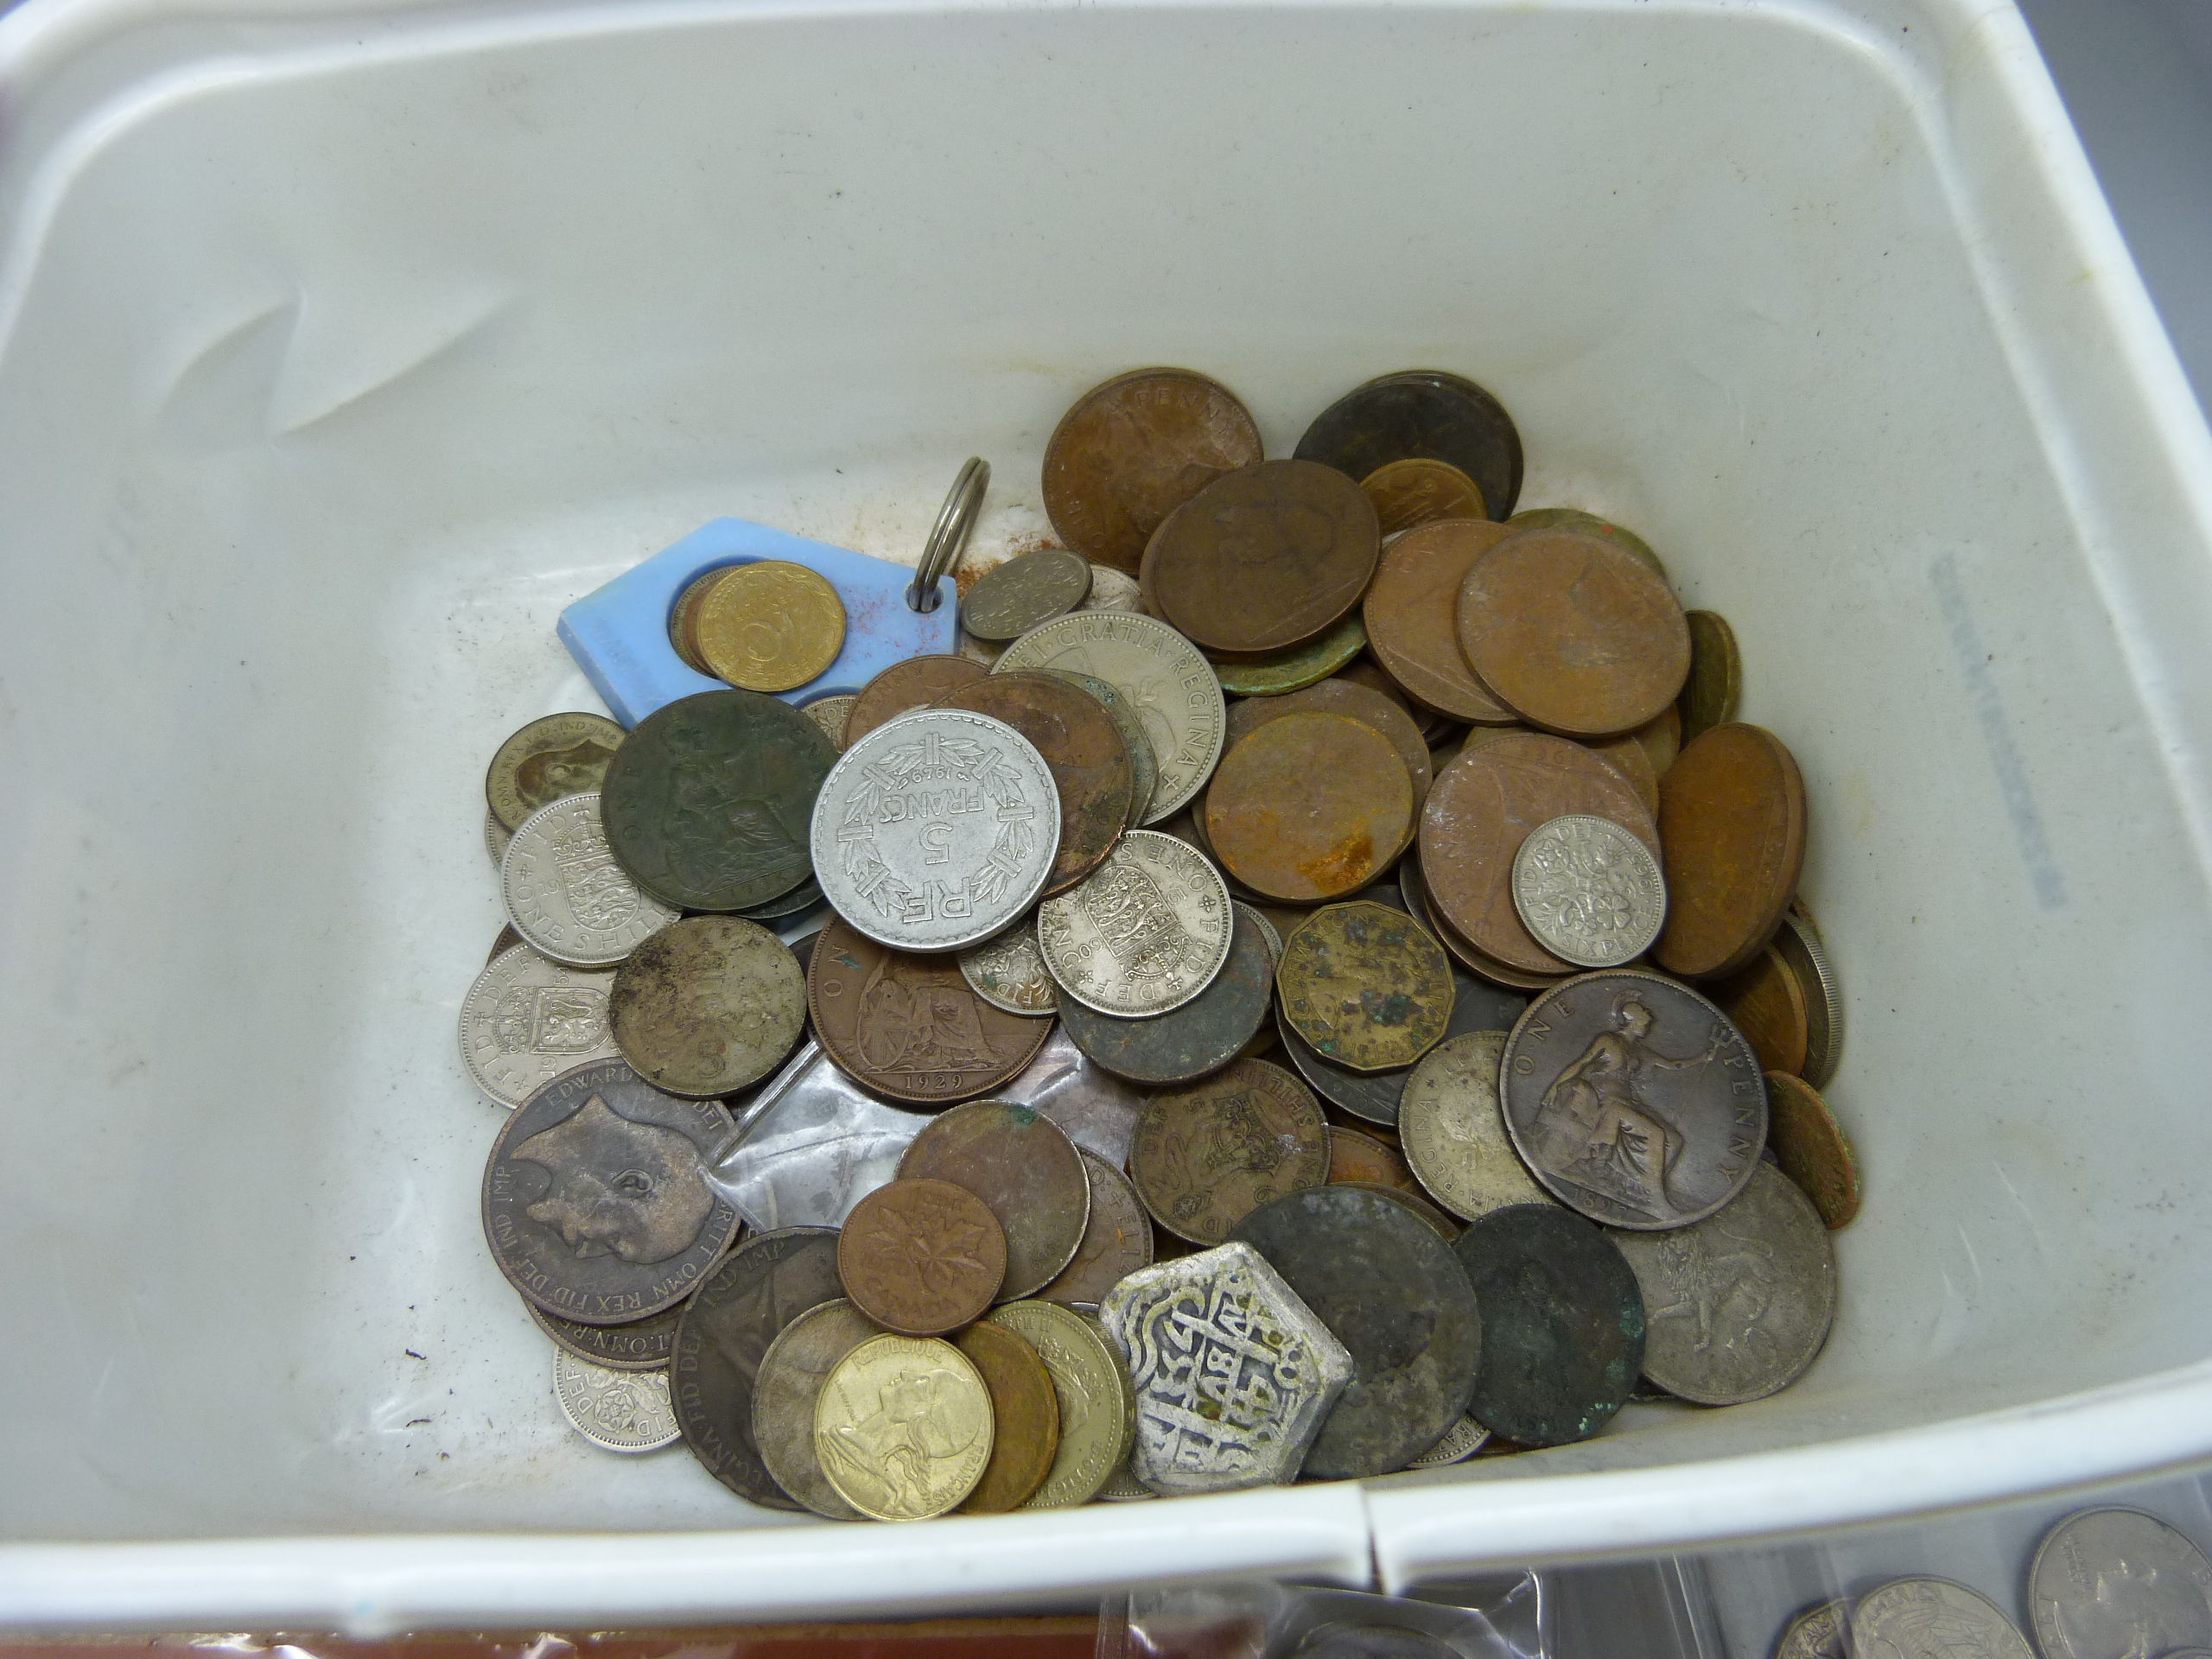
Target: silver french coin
point(1818, 1632)
point(565, 894)
point(1932, 1619)
point(1266, 929)
point(1591, 892)
point(1453, 1130)
point(621, 1411)
point(1008, 972)
point(1461, 1441)
point(2116, 1583)
point(1112, 590)
point(1166, 679)
point(528, 1018)
point(496, 835)
point(935, 830)
point(1143, 933)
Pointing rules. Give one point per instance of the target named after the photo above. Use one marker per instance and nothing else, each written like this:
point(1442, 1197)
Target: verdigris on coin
point(528, 1018)
point(548, 761)
point(902, 1427)
point(618, 1411)
point(1009, 972)
point(566, 893)
point(1366, 986)
point(1589, 891)
point(1144, 933)
point(2113, 1583)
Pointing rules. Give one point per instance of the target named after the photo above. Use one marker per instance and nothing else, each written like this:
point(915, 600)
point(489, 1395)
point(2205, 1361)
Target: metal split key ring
point(964, 502)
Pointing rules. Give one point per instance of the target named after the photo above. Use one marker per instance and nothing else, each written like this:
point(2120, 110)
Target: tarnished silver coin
point(1166, 679)
point(936, 829)
point(1591, 892)
point(1453, 1130)
point(622, 1411)
point(565, 894)
point(1817, 1633)
point(1461, 1441)
point(643, 1346)
point(1009, 600)
point(1799, 943)
point(785, 1389)
point(1112, 590)
point(1143, 933)
point(1932, 1619)
point(1009, 972)
point(2115, 1584)
point(528, 1018)
point(496, 837)
point(828, 713)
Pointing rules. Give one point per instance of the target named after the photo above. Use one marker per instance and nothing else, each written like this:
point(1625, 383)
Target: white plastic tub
point(339, 350)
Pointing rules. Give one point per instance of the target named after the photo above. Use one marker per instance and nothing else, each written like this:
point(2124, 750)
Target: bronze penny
point(1811, 1148)
point(1309, 807)
point(548, 759)
point(1475, 962)
point(921, 1256)
point(1206, 1157)
point(1591, 525)
point(1422, 412)
point(1367, 986)
point(1354, 700)
point(1083, 747)
point(707, 1005)
point(1627, 757)
point(1356, 1157)
point(1732, 817)
point(1024, 1415)
point(1116, 1240)
point(917, 683)
point(1021, 1164)
point(1128, 720)
point(1480, 810)
point(1410, 611)
point(1572, 632)
point(1199, 1036)
point(1767, 1005)
point(1663, 738)
point(1716, 677)
point(908, 1027)
point(1414, 491)
point(1263, 558)
point(1283, 672)
point(1131, 451)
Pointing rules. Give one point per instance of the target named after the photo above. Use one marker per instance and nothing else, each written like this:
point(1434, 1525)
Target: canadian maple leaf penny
point(1207, 1156)
point(1767, 1005)
point(1130, 451)
point(1309, 808)
point(921, 1256)
point(1414, 490)
point(1716, 677)
point(1410, 609)
point(1811, 1148)
point(1353, 700)
point(548, 761)
point(1025, 1169)
point(1082, 749)
point(916, 682)
point(1424, 413)
point(1732, 819)
point(1025, 1416)
point(1116, 1240)
point(707, 1006)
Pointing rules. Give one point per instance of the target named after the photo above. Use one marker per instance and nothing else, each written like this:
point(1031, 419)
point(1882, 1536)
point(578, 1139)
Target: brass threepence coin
point(1207, 1156)
point(1132, 450)
point(708, 801)
point(771, 626)
point(1083, 747)
point(1143, 764)
point(617, 1411)
point(1907, 1618)
point(1453, 1130)
point(566, 893)
point(1716, 679)
point(1633, 1100)
point(1588, 891)
point(528, 1018)
point(2108, 1583)
point(1811, 1148)
point(1414, 490)
point(1425, 413)
point(1089, 1388)
point(1144, 935)
point(1799, 942)
point(1116, 1240)
point(1373, 1097)
point(1590, 523)
point(1366, 986)
point(708, 1005)
point(1112, 590)
point(1353, 700)
point(1732, 819)
point(644, 1346)
point(902, 1427)
point(1818, 1632)
point(1202, 1035)
point(1026, 1418)
point(1263, 558)
point(1022, 1165)
point(683, 621)
point(546, 761)
point(790, 1382)
point(905, 687)
point(1281, 672)
point(1572, 632)
point(1767, 1002)
point(831, 714)
point(1309, 807)
point(1410, 611)
point(921, 1256)
point(1008, 971)
point(595, 1199)
point(907, 1027)
point(1009, 600)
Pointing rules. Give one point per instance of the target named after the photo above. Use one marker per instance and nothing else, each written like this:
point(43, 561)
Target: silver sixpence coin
point(1166, 679)
point(1817, 1633)
point(496, 835)
point(622, 1411)
point(828, 713)
point(1013, 598)
point(2113, 1583)
point(565, 894)
point(936, 829)
point(1932, 1619)
point(1112, 590)
point(528, 1018)
point(1143, 933)
point(1461, 1441)
point(1591, 892)
point(1009, 972)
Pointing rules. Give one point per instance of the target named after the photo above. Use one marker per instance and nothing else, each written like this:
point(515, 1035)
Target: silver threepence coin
point(1009, 600)
point(1932, 1619)
point(1009, 972)
point(1112, 590)
point(1589, 891)
point(622, 1411)
point(1817, 1633)
point(2110, 1583)
point(1143, 933)
point(566, 894)
point(936, 829)
point(528, 1018)
point(1461, 1441)
point(496, 837)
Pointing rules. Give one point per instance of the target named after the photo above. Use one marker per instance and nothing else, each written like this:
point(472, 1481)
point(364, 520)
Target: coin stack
point(1332, 986)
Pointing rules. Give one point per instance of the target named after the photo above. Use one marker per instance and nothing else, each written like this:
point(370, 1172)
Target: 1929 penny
point(921, 1256)
point(1022, 1165)
point(1410, 611)
point(1423, 413)
point(1026, 1418)
point(1353, 700)
point(1184, 1044)
point(915, 682)
point(1366, 985)
point(1416, 490)
point(1080, 743)
point(547, 759)
point(1206, 1156)
point(708, 1005)
point(1732, 818)
point(770, 626)
point(1116, 1240)
point(1309, 807)
point(785, 1391)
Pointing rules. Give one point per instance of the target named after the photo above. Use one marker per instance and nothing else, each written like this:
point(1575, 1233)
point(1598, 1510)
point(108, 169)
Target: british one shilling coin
point(617, 1411)
point(1818, 1632)
point(1082, 749)
point(643, 1345)
point(528, 1018)
point(683, 621)
point(921, 1256)
point(1410, 610)
point(1025, 1414)
point(1353, 700)
point(914, 683)
point(1715, 685)
point(707, 1006)
point(1453, 1129)
point(557, 756)
point(1132, 450)
point(1112, 590)
point(1309, 808)
point(1732, 821)
point(1811, 1148)
point(1184, 1044)
point(1591, 525)
point(1366, 985)
point(831, 714)
point(1207, 1156)
point(1280, 673)
point(1026, 1169)
point(1116, 1239)
point(1421, 412)
point(567, 894)
point(1010, 599)
point(2111, 1583)
point(1588, 891)
point(1143, 763)
point(1800, 945)
point(1144, 934)
point(1097, 1418)
point(902, 1427)
point(771, 626)
point(1416, 490)
point(1767, 1002)
point(1357, 1159)
point(1932, 1619)
point(1008, 971)
point(784, 1392)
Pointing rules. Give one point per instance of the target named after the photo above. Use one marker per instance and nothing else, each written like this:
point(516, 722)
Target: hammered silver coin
point(2115, 1583)
point(528, 1018)
point(1591, 892)
point(565, 894)
point(1009, 600)
point(621, 1411)
point(1009, 972)
point(936, 829)
point(1143, 933)
point(1932, 1619)
point(1461, 1441)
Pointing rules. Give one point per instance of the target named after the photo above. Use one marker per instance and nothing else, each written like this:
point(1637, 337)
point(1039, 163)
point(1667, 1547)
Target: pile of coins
point(1314, 989)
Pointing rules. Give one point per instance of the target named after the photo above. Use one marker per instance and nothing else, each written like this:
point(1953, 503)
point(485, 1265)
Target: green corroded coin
point(1365, 986)
point(1295, 670)
point(1143, 762)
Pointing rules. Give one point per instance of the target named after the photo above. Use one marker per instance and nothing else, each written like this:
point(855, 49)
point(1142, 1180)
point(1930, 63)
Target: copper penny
point(1475, 962)
point(1024, 1167)
point(1627, 757)
point(1309, 807)
point(1663, 738)
point(1811, 1148)
point(908, 1027)
point(1206, 1157)
point(1357, 1157)
point(1082, 746)
point(1732, 817)
point(1716, 677)
point(1278, 673)
point(1415, 490)
point(683, 621)
point(921, 1257)
point(917, 683)
point(1480, 810)
point(1025, 1417)
point(1263, 558)
point(1590, 523)
point(1353, 700)
point(1421, 412)
point(1410, 609)
point(1116, 1240)
point(1131, 451)
point(1767, 1005)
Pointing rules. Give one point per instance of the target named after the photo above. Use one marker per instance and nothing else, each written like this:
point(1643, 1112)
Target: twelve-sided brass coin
point(1366, 986)
point(559, 755)
point(708, 1005)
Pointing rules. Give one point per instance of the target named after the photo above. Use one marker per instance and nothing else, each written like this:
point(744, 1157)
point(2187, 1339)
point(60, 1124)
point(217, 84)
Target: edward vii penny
point(1732, 820)
point(547, 761)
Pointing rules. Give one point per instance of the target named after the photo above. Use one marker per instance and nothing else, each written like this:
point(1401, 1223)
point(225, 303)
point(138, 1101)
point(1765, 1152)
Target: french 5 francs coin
point(567, 895)
point(1144, 933)
point(528, 1018)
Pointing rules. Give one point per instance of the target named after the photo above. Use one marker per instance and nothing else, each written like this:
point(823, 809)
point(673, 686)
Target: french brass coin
point(1088, 1386)
point(1353, 700)
point(548, 761)
point(831, 714)
point(643, 1345)
point(528, 1018)
point(683, 621)
point(708, 799)
point(1080, 744)
point(1145, 934)
point(1799, 943)
point(1453, 1129)
point(1732, 820)
point(1394, 1295)
point(1027, 590)
point(906, 688)
point(1634, 1101)
point(786, 1390)
point(1818, 1632)
point(496, 837)
point(1279, 673)
point(1768, 1003)
point(1563, 1325)
point(617, 1411)
point(1112, 590)
point(1410, 609)
point(1811, 1148)
point(2111, 1583)
point(902, 1427)
point(1931, 1618)
point(1359, 1159)
point(1207, 1156)
point(1026, 1418)
point(707, 1006)
point(1461, 1441)
point(770, 626)
point(1184, 1044)
point(1008, 971)
point(1588, 891)
point(1424, 413)
point(1144, 764)
point(595, 1199)
point(1116, 1239)
point(1022, 1165)
point(1716, 679)
point(1366, 985)
point(1415, 491)
point(1309, 808)
point(921, 1256)
point(1132, 450)
point(567, 894)
point(1591, 525)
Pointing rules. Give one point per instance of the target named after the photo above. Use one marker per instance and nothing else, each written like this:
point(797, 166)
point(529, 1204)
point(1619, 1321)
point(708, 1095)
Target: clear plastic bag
point(1251, 1619)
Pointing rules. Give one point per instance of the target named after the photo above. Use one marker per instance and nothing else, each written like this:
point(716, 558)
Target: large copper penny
point(1425, 413)
point(1811, 1148)
point(917, 683)
point(908, 1027)
point(1116, 1240)
point(1025, 1418)
point(1767, 1002)
point(1206, 1157)
point(1482, 808)
point(1353, 700)
point(1083, 749)
point(1024, 1167)
point(1131, 451)
point(1590, 523)
point(1265, 558)
point(1732, 817)
point(1410, 609)
point(1309, 807)
point(921, 1257)
point(1573, 633)
point(1716, 679)
point(1414, 491)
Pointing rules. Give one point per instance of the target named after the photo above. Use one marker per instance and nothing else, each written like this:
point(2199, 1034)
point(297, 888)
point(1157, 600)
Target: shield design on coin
point(598, 892)
point(550, 1020)
point(1137, 923)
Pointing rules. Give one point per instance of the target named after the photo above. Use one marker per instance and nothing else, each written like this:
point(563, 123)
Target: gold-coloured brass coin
point(1309, 807)
point(1025, 1414)
point(1590, 523)
point(903, 1428)
point(683, 621)
point(1410, 608)
point(1732, 819)
point(1294, 670)
point(771, 626)
point(1097, 1417)
point(1767, 1005)
point(1716, 680)
point(1415, 490)
point(1812, 1148)
point(1366, 986)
